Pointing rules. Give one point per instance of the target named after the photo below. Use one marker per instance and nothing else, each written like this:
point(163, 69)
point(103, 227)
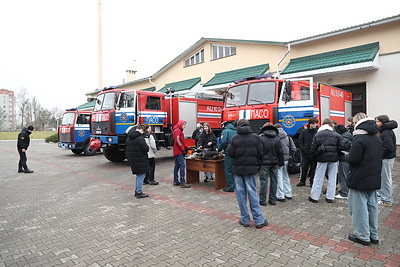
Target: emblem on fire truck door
point(124, 117)
point(288, 121)
point(81, 133)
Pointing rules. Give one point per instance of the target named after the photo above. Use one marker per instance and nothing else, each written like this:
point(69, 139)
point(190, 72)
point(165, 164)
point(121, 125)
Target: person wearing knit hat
point(22, 146)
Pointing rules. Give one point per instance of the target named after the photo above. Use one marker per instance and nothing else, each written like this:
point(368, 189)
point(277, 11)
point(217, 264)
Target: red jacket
point(179, 139)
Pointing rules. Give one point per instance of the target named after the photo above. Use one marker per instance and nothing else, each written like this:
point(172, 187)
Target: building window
point(220, 51)
point(195, 59)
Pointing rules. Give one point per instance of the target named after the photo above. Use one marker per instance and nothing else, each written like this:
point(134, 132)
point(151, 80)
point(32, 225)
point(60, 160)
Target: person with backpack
point(271, 160)
point(284, 188)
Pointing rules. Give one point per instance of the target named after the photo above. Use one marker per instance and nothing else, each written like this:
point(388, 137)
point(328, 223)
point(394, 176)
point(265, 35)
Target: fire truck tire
point(77, 151)
point(88, 151)
point(113, 155)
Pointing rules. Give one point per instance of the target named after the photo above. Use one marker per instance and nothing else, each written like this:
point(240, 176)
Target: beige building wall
point(247, 55)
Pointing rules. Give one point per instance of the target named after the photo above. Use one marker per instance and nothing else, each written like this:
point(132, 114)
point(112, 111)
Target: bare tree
point(23, 105)
point(56, 118)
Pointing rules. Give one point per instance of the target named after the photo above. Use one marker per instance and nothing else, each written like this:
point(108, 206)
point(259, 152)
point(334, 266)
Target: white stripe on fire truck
point(213, 115)
point(127, 113)
point(336, 113)
point(283, 109)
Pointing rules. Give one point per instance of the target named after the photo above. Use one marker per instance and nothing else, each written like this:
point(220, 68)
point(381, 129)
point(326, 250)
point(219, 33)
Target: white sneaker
point(338, 196)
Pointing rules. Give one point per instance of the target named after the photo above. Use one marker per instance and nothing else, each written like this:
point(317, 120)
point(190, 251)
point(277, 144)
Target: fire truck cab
point(74, 132)
point(289, 102)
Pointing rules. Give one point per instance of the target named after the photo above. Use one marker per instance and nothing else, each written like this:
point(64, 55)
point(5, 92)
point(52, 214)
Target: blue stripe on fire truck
point(245, 114)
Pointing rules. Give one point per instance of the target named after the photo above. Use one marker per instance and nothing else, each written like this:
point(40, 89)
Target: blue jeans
point(139, 182)
point(363, 207)
point(386, 191)
point(284, 188)
point(268, 172)
point(319, 180)
point(246, 187)
point(179, 166)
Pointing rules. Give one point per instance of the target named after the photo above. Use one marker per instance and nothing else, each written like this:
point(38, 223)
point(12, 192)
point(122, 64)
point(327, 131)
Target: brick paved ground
point(80, 211)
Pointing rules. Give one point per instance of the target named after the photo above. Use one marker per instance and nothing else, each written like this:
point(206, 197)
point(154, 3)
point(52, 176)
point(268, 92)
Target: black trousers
point(22, 159)
point(150, 174)
point(307, 167)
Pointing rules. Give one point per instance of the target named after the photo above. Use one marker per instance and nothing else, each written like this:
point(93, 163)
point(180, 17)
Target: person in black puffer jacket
point(343, 167)
point(365, 160)
point(308, 163)
point(386, 126)
point(246, 150)
point(270, 162)
point(136, 153)
point(22, 146)
point(325, 148)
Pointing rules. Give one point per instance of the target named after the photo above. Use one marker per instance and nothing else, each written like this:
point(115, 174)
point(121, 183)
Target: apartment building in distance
point(7, 110)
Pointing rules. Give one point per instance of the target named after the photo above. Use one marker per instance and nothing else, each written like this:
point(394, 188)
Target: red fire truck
point(289, 102)
point(74, 132)
point(117, 110)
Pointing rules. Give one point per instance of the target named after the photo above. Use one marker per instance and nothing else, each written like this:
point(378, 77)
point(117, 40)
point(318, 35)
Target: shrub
point(52, 138)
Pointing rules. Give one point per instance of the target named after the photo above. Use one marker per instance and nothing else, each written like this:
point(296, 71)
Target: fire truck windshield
point(68, 118)
point(237, 96)
point(105, 101)
point(259, 93)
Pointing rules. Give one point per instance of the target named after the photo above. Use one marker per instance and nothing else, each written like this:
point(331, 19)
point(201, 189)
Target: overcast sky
point(50, 47)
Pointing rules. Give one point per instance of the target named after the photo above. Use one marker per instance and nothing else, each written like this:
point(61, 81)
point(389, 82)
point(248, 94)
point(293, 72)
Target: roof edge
point(345, 30)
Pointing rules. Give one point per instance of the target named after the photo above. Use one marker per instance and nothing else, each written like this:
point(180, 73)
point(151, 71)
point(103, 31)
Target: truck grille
point(101, 128)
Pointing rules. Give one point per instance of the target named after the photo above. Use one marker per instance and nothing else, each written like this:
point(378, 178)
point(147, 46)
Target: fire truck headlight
point(109, 139)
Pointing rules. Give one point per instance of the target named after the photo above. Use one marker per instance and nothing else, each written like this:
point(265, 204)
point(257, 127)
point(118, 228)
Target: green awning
point(181, 85)
point(87, 106)
point(352, 55)
point(150, 89)
point(234, 75)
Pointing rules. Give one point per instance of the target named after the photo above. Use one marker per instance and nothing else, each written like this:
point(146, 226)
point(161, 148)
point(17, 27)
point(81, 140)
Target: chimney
point(130, 75)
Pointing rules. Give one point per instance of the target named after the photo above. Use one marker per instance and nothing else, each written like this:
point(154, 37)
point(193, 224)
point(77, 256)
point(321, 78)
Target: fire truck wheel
point(113, 154)
point(77, 151)
point(88, 151)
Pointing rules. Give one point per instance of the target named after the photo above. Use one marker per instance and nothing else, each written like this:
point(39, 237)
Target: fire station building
point(364, 59)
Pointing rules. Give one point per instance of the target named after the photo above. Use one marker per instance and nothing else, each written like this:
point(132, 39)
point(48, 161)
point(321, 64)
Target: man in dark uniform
point(22, 146)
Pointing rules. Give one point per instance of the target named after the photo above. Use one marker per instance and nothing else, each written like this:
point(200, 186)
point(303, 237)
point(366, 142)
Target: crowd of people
point(358, 158)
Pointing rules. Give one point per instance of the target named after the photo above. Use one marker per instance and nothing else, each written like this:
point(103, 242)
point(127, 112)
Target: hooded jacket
point(226, 135)
point(272, 148)
point(23, 139)
point(136, 152)
point(389, 139)
point(327, 144)
point(288, 146)
point(306, 137)
point(365, 157)
point(179, 139)
point(246, 150)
